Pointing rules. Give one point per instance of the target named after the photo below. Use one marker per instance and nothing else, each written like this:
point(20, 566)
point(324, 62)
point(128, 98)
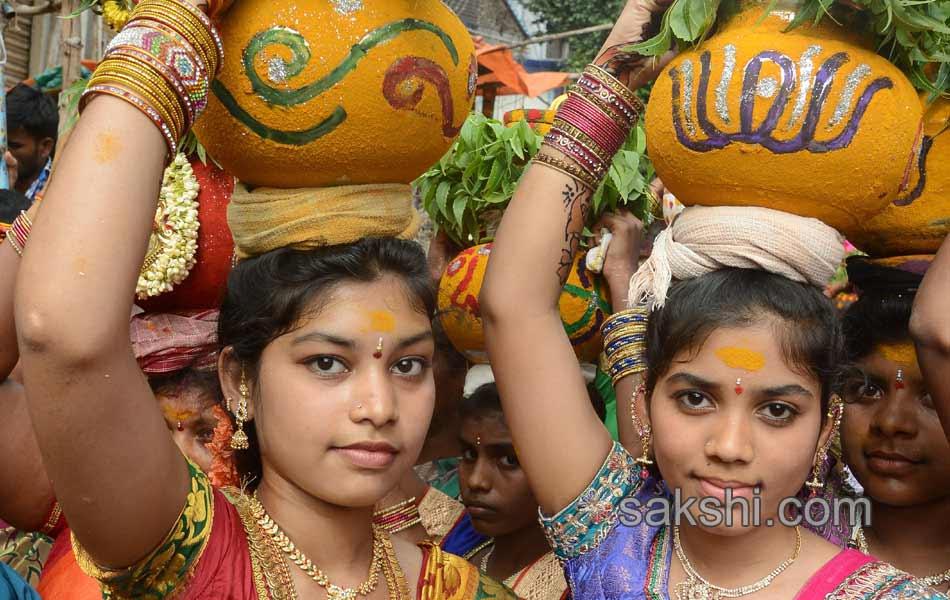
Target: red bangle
point(19, 232)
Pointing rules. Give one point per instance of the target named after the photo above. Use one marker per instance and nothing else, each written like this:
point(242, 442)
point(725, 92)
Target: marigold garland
point(116, 12)
point(174, 239)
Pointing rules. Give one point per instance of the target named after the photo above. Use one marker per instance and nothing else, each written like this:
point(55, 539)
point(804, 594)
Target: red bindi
point(739, 389)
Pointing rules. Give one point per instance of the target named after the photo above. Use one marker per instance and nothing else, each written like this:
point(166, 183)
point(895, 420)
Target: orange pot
point(584, 305)
point(316, 93)
point(810, 122)
point(919, 219)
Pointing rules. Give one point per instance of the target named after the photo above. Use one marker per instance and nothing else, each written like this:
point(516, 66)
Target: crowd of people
point(316, 435)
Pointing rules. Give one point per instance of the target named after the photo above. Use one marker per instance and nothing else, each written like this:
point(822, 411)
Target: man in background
point(32, 125)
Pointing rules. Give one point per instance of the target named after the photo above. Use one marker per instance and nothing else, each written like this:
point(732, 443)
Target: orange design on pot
point(316, 93)
point(811, 122)
point(584, 304)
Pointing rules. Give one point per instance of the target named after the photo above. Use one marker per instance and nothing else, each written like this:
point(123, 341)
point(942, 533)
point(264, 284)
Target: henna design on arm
point(577, 201)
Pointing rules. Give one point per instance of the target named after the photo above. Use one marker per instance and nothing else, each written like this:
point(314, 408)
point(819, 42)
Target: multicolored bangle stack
point(162, 63)
point(19, 231)
point(591, 126)
point(398, 517)
point(624, 336)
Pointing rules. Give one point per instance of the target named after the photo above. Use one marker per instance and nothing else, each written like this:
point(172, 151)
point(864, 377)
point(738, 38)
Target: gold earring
point(816, 484)
point(239, 438)
point(643, 431)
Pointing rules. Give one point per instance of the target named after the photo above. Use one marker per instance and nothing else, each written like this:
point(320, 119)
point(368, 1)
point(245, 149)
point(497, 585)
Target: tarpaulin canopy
point(499, 74)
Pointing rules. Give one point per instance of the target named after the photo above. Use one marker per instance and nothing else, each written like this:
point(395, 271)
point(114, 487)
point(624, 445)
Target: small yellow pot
point(584, 304)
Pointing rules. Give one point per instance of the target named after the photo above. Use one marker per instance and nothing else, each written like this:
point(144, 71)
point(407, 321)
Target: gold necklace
point(484, 568)
point(698, 588)
point(392, 571)
point(334, 592)
point(929, 581)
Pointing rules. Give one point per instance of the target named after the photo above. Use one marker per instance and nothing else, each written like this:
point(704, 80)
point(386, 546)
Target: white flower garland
point(174, 240)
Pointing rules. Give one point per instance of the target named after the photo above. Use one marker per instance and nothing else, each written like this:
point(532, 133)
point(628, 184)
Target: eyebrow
point(792, 389)
point(504, 446)
point(318, 336)
point(693, 380)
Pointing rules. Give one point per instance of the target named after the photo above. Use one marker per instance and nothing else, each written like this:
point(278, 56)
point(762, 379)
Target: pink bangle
point(19, 232)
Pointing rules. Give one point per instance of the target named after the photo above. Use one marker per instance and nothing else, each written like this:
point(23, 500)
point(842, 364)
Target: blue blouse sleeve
point(582, 525)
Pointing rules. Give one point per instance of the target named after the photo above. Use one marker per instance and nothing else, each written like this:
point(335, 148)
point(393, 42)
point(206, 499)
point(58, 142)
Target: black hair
point(811, 333)
point(485, 401)
point(173, 383)
point(11, 204)
point(882, 312)
point(34, 111)
point(268, 295)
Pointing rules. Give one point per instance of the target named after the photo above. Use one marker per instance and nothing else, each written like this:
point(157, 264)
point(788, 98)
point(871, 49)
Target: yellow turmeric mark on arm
point(108, 147)
point(736, 357)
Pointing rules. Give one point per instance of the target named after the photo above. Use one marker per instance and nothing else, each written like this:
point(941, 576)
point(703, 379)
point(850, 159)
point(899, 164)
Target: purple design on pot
point(763, 134)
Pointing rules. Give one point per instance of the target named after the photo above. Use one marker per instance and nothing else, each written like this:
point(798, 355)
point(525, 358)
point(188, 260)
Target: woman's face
point(733, 415)
point(495, 490)
point(343, 402)
point(189, 415)
point(891, 435)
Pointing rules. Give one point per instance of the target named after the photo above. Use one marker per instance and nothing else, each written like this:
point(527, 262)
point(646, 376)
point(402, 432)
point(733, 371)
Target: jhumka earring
point(834, 413)
point(379, 349)
point(899, 383)
point(239, 438)
point(644, 432)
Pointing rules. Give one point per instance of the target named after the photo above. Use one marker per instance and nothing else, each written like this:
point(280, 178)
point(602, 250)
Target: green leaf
point(458, 209)
point(442, 198)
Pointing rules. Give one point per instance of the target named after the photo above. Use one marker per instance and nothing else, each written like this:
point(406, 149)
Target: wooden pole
point(71, 47)
point(555, 36)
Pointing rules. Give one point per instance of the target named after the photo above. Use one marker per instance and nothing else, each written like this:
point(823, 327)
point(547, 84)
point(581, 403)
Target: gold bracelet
point(155, 80)
point(183, 22)
point(144, 96)
point(153, 85)
point(16, 246)
point(617, 87)
point(567, 168)
point(132, 85)
point(619, 333)
point(580, 136)
point(626, 373)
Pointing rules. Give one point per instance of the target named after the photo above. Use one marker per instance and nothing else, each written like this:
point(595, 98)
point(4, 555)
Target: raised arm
point(930, 328)
point(26, 495)
point(117, 473)
point(560, 441)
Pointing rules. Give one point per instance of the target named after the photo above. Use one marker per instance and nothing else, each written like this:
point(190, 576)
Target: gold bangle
point(185, 25)
point(569, 169)
point(632, 352)
point(138, 55)
point(617, 87)
point(626, 373)
point(16, 246)
point(579, 135)
point(153, 83)
point(132, 85)
point(619, 333)
point(147, 76)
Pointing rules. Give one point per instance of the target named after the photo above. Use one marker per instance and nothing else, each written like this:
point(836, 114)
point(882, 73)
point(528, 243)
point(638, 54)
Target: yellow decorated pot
point(810, 122)
point(316, 93)
point(539, 120)
point(584, 305)
point(918, 220)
